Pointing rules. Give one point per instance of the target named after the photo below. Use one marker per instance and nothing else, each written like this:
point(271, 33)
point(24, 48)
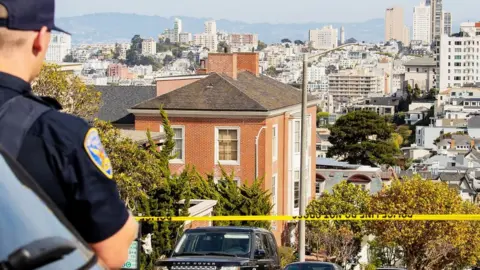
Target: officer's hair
point(9, 38)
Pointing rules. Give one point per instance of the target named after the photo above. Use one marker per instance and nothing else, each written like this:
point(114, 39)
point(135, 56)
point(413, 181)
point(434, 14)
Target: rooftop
point(219, 92)
point(424, 61)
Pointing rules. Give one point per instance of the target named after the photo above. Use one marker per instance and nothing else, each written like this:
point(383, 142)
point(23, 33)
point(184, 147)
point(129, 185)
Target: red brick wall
point(200, 143)
point(249, 62)
point(223, 63)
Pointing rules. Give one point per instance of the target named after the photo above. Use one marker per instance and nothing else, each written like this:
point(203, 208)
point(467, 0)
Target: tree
point(167, 60)
point(147, 186)
point(350, 40)
point(427, 244)
point(341, 240)
point(222, 47)
point(261, 45)
point(432, 94)
point(416, 92)
point(331, 69)
point(135, 51)
point(299, 42)
point(384, 254)
point(191, 56)
point(70, 91)
point(405, 132)
point(286, 40)
point(363, 137)
point(235, 200)
point(70, 59)
point(271, 71)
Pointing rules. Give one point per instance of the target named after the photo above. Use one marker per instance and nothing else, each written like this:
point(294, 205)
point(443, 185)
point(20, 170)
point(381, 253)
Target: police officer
point(60, 151)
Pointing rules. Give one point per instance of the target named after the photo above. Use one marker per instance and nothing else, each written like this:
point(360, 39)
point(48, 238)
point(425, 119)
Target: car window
point(26, 218)
point(273, 245)
point(207, 242)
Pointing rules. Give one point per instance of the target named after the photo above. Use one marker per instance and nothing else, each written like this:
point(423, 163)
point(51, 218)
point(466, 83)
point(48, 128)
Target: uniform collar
point(14, 83)
point(24, 88)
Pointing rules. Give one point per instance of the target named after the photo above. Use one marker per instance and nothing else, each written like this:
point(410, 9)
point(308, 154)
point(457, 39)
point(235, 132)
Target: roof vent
point(210, 86)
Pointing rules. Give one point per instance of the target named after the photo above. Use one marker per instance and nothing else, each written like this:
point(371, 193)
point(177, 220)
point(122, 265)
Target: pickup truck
point(223, 248)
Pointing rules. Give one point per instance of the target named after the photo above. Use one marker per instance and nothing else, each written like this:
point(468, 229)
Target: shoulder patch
point(95, 150)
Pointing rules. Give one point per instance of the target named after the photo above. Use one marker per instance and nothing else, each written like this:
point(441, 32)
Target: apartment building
point(149, 46)
point(119, 71)
point(241, 40)
point(208, 39)
point(395, 28)
point(324, 38)
point(459, 57)
point(421, 72)
point(436, 18)
point(348, 85)
point(246, 122)
point(447, 23)
point(185, 38)
point(421, 23)
point(59, 47)
point(174, 34)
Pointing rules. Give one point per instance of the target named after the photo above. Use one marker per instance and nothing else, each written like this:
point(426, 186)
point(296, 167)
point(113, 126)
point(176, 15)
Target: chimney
point(222, 63)
point(232, 63)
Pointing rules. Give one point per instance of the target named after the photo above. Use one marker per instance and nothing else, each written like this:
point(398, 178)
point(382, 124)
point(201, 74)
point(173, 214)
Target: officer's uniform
point(64, 155)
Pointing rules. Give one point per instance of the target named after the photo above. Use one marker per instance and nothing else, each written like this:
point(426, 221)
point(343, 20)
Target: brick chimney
point(232, 63)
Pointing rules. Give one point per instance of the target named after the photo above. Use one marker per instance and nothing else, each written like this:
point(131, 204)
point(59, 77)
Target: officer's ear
point(41, 41)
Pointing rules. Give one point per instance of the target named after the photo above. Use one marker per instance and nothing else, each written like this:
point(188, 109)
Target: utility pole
point(303, 160)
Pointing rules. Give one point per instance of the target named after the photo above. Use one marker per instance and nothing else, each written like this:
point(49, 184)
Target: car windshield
point(25, 218)
point(214, 243)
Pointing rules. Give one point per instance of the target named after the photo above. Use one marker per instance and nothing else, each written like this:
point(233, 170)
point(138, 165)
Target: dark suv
point(224, 248)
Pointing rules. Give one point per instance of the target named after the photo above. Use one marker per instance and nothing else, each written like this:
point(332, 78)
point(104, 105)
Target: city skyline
point(308, 11)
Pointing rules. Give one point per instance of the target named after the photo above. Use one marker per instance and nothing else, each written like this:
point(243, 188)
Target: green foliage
point(363, 137)
point(135, 57)
point(70, 91)
point(427, 244)
point(222, 46)
point(272, 71)
point(286, 40)
point(381, 254)
point(147, 186)
point(261, 45)
point(340, 240)
point(287, 255)
point(234, 200)
point(70, 59)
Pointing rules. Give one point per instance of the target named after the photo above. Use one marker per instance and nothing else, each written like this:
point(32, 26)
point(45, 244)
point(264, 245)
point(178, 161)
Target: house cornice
point(222, 114)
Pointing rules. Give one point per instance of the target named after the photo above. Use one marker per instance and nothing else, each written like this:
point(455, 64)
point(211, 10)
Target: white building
point(342, 35)
point(149, 46)
point(122, 49)
point(421, 23)
point(459, 60)
point(174, 34)
point(208, 39)
point(59, 47)
point(324, 38)
point(447, 23)
point(185, 38)
point(211, 27)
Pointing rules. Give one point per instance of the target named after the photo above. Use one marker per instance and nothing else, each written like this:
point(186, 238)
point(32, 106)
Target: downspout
point(256, 151)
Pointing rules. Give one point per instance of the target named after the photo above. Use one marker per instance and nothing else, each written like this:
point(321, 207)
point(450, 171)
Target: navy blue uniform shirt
point(64, 155)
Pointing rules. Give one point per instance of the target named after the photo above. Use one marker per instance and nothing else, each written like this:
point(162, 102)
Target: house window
point(275, 143)
point(227, 145)
point(318, 189)
point(274, 194)
point(296, 189)
point(297, 136)
point(179, 139)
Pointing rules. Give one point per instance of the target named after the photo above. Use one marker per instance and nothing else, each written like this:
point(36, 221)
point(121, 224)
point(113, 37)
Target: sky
point(266, 11)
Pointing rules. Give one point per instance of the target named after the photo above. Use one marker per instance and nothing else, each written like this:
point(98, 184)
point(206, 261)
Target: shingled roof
point(116, 100)
point(219, 92)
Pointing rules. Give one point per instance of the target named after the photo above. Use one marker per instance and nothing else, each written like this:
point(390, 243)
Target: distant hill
point(114, 27)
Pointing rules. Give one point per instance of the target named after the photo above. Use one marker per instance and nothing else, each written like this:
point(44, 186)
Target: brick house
point(247, 122)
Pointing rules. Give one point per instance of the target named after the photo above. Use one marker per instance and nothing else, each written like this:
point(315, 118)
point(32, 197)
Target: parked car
point(312, 266)
point(34, 233)
point(224, 248)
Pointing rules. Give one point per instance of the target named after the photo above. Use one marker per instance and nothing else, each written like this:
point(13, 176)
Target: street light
point(303, 158)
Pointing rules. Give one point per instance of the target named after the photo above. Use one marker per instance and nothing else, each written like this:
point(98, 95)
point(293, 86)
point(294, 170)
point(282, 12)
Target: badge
point(96, 152)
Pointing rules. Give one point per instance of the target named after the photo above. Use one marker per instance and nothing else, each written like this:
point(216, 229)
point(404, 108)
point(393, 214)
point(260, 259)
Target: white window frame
point(274, 143)
point(217, 149)
point(275, 194)
point(179, 160)
point(295, 137)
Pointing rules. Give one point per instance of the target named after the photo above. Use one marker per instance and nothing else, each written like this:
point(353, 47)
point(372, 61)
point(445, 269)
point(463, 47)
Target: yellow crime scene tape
point(444, 217)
